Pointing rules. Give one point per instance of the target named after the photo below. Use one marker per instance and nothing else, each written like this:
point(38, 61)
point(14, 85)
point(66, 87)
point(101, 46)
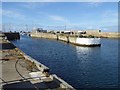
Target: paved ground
point(15, 71)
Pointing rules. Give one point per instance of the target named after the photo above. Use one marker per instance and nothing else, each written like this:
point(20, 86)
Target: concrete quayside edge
point(43, 68)
point(87, 42)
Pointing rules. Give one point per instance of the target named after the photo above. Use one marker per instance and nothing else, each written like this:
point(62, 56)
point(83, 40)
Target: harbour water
point(81, 67)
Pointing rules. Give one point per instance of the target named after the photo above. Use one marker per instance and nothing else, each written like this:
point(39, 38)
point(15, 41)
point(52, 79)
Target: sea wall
point(44, 35)
point(88, 41)
point(12, 35)
point(63, 38)
point(110, 35)
point(43, 68)
point(103, 34)
point(22, 66)
point(69, 39)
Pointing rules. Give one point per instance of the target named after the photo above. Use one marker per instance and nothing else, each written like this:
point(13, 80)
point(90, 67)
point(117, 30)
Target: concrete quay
point(86, 42)
point(19, 71)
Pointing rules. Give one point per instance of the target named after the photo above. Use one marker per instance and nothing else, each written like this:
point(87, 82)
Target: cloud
point(0, 11)
point(61, 0)
point(110, 17)
point(94, 0)
point(101, 0)
point(33, 5)
point(57, 18)
point(110, 28)
point(12, 14)
point(95, 4)
point(110, 13)
point(30, 5)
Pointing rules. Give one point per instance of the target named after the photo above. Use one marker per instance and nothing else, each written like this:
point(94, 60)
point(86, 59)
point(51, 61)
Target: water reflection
point(88, 52)
point(82, 67)
point(82, 51)
point(89, 65)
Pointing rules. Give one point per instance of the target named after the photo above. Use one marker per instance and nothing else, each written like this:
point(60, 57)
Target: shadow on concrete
point(5, 46)
point(19, 86)
point(24, 85)
point(47, 85)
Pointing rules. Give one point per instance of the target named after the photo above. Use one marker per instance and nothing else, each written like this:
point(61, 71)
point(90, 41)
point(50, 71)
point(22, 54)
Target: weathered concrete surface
point(44, 35)
point(69, 39)
point(95, 33)
point(9, 72)
point(103, 34)
point(16, 69)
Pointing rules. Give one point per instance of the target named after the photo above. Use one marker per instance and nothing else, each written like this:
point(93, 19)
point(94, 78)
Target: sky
point(57, 15)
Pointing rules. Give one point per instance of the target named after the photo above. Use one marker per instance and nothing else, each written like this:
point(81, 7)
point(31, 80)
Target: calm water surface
point(82, 67)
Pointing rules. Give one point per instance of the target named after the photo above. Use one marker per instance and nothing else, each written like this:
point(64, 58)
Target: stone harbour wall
point(69, 39)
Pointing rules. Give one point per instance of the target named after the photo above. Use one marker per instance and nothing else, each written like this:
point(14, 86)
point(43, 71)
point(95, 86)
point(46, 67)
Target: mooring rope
point(22, 75)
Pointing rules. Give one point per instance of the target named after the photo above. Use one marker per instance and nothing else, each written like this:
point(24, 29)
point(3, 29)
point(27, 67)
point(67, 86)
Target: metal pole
point(65, 27)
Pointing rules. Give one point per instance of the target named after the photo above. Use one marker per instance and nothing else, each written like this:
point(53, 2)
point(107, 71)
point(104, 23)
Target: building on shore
point(39, 30)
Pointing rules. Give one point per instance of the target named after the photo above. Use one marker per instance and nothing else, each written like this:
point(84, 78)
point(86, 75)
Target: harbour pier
point(20, 71)
point(89, 42)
